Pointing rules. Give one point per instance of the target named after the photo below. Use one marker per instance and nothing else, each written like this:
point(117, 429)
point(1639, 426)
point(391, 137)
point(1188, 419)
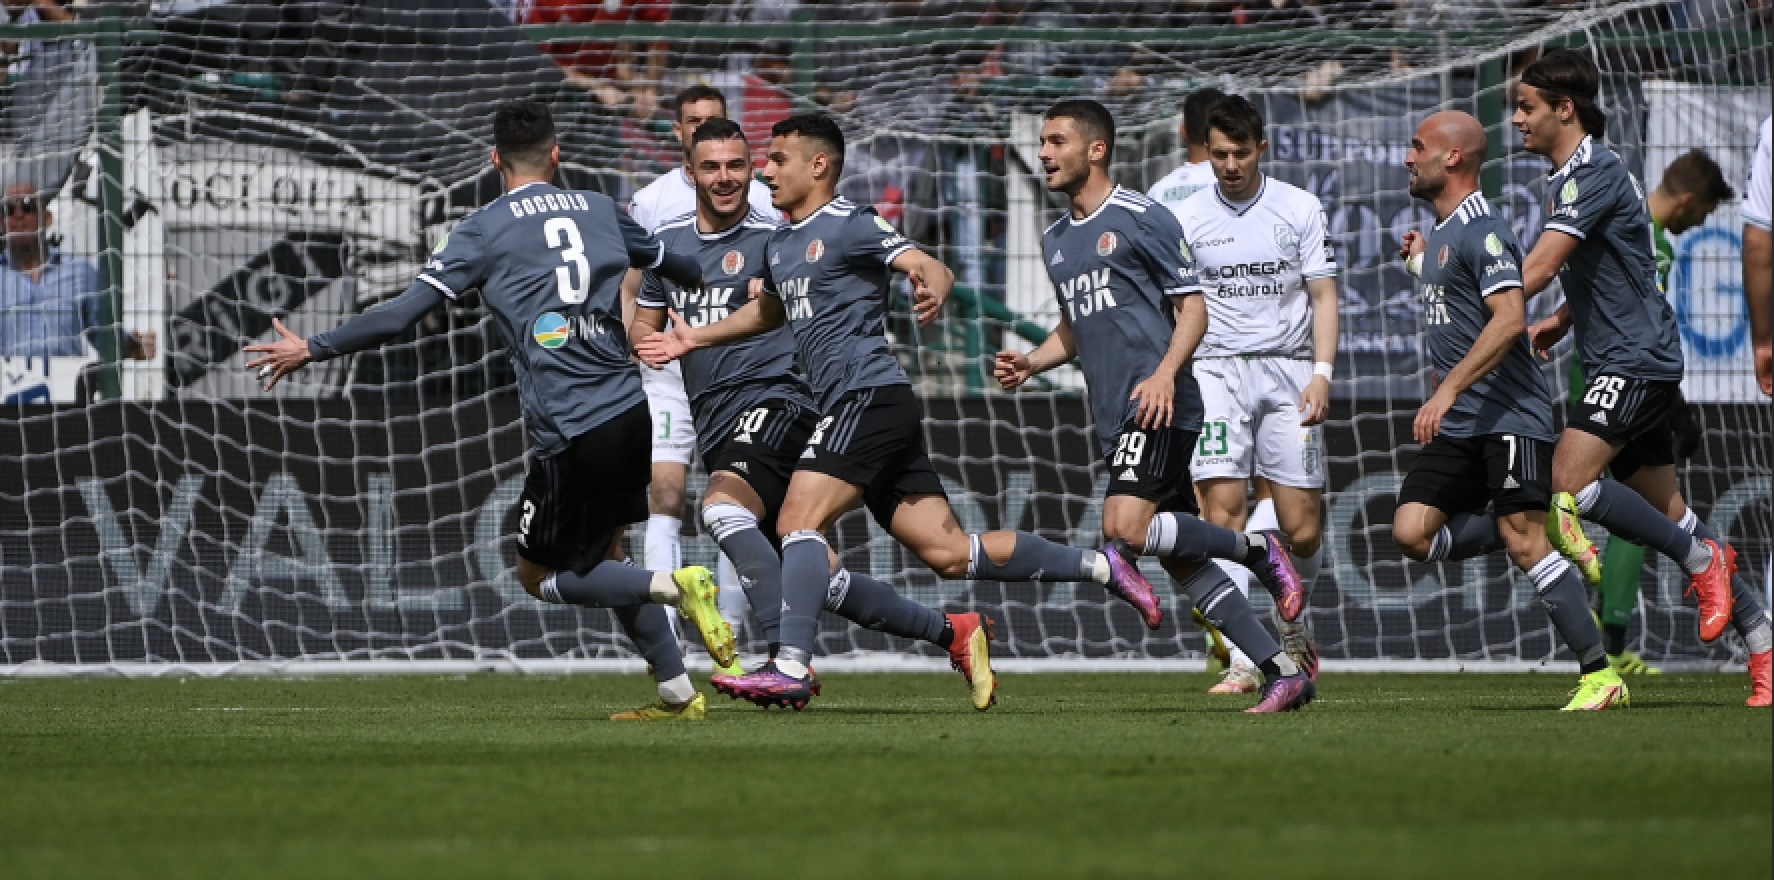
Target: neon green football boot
point(660, 710)
point(1630, 663)
point(1220, 655)
point(698, 598)
point(1564, 527)
point(1599, 690)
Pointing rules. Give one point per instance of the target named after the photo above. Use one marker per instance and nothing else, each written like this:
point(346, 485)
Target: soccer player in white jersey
point(1758, 256)
point(669, 196)
point(1261, 249)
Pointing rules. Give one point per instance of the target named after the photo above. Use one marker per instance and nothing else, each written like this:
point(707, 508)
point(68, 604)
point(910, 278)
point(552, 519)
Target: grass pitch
point(1093, 776)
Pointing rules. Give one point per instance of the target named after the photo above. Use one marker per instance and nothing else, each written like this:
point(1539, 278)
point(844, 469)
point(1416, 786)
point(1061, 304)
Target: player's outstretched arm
point(1544, 261)
point(368, 330)
point(932, 282)
point(1509, 318)
point(761, 315)
point(1013, 368)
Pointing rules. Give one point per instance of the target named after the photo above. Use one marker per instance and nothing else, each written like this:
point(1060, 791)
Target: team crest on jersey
point(732, 262)
point(550, 330)
point(1493, 245)
point(1441, 257)
point(1287, 241)
point(1105, 244)
point(1568, 192)
point(815, 250)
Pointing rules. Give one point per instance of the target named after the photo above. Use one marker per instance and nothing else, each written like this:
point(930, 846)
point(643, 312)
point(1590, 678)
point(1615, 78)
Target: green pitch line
point(1099, 776)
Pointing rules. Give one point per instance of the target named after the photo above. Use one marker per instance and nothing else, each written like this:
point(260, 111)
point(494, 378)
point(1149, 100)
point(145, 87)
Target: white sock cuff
point(661, 520)
point(1587, 496)
point(1689, 522)
point(551, 592)
point(797, 537)
point(723, 519)
point(677, 690)
point(1161, 535)
point(1547, 571)
point(975, 549)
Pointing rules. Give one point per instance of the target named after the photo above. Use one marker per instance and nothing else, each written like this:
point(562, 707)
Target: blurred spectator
point(18, 55)
point(764, 98)
point(608, 69)
point(50, 304)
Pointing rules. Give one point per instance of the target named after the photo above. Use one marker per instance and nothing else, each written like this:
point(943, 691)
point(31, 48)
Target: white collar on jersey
point(528, 185)
point(838, 205)
point(1578, 157)
point(1113, 192)
point(1469, 209)
point(1240, 208)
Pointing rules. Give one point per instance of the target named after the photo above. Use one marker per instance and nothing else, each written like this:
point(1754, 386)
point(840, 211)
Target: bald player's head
point(1448, 146)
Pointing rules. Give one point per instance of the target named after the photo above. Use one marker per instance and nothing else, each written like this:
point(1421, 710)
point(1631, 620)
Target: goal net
point(210, 166)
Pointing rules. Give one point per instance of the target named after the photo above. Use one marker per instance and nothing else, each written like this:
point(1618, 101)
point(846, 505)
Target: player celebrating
point(549, 263)
point(1131, 307)
point(829, 272)
point(1265, 364)
point(1598, 241)
point(1487, 431)
point(753, 413)
point(670, 196)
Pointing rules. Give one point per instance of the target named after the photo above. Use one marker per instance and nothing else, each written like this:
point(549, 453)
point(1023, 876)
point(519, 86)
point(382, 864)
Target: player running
point(549, 263)
point(670, 196)
point(827, 277)
point(1487, 430)
point(1131, 308)
point(1264, 367)
point(1597, 241)
point(754, 414)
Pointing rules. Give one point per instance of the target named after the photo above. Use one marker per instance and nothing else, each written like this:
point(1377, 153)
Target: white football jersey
point(1254, 260)
point(672, 195)
point(1187, 180)
point(1756, 196)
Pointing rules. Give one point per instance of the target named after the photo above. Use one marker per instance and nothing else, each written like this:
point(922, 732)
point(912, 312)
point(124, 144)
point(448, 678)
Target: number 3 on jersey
point(573, 279)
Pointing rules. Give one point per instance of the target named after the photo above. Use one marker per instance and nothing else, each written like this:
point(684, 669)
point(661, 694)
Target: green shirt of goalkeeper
point(1692, 186)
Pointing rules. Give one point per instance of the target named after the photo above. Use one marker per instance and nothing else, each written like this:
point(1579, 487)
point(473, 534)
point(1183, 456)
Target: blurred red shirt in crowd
point(598, 58)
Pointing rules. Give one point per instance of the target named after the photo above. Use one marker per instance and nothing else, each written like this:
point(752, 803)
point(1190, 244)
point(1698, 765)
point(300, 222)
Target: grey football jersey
point(1471, 255)
point(725, 381)
point(1624, 324)
point(832, 271)
point(1114, 272)
point(549, 264)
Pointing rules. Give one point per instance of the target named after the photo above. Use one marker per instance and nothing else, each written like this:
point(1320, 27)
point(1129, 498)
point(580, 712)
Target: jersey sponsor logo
point(885, 226)
point(704, 306)
point(1105, 244)
point(732, 262)
point(1435, 305)
point(1287, 241)
point(550, 330)
point(815, 250)
point(1217, 242)
point(888, 244)
point(1058, 258)
point(793, 293)
point(1086, 294)
point(1493, 245)
point(1500, 266)
point(1568, 192)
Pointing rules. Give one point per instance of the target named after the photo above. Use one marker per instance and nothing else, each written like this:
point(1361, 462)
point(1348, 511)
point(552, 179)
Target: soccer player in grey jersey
point(549, 264)
point(753, 413)
point(1598, 242)
point(828, 274)
point(1487, 430)
point(1131, 308)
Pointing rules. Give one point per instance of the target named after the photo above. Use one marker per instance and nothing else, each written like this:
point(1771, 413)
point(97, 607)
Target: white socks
point(660, 549)
point(664, 590)
point(677, 691)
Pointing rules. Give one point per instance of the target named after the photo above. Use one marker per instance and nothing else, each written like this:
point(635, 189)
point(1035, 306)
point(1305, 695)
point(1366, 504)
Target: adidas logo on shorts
point(741, 467)
point(1510, 483)
point(1600, 418)
point(1129, 475)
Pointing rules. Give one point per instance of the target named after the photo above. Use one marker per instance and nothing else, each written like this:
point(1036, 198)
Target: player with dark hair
point(753, 413)
point(549, 264)
point(1196, 173)
point(669, 196)
point(1131, 308)
point(1691, 188)
point(827, 276)
point(1598, 242)
point(1487, 430)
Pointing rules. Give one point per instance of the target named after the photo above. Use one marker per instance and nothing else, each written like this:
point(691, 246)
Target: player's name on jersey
point(548, 203)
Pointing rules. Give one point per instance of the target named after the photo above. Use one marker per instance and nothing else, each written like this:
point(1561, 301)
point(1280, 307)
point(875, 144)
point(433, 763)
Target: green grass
point(1071, 776)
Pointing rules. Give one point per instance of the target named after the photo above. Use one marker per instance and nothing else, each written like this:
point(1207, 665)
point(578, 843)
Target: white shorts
point(1252, 422)
point(674, 434)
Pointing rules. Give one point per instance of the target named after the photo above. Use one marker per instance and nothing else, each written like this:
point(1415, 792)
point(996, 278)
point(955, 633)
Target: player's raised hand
point(756, 288)
point(1544, 334)
point(659, 349)
point(926, 303)
point(1315, 402)
point(281, 358)
point(1012, 369)
point(1428, 422)
point(1414, 244)
point(1154, 401)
